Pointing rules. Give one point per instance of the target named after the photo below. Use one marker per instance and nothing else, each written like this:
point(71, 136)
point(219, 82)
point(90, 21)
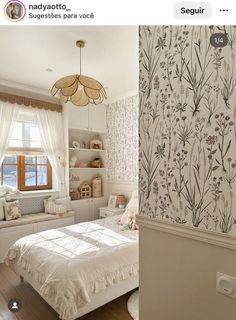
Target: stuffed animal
point(96, 163)
point(73, 162)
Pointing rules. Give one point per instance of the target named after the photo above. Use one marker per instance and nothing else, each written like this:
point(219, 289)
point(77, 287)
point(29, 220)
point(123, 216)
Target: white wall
point(125, 188)
point(178, 278)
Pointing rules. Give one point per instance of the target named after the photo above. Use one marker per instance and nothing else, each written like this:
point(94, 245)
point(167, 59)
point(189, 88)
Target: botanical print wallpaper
point(187, 158)
point(122, 140)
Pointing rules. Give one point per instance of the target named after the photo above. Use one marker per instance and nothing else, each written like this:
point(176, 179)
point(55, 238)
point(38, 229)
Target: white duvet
point(75, 262)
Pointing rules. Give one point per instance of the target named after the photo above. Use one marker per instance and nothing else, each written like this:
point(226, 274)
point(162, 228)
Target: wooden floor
point(35, 308)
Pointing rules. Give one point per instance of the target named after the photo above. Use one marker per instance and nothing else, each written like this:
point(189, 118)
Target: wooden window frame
point(21, 176)
point(20, 169)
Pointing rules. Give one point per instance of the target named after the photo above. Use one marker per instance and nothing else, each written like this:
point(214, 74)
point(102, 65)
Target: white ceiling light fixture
point(80, 90)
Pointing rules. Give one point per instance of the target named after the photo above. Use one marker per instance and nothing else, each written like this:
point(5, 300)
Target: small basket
point(75, 195)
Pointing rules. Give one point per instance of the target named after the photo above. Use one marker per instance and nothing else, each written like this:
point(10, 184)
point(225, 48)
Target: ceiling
point(110, 56)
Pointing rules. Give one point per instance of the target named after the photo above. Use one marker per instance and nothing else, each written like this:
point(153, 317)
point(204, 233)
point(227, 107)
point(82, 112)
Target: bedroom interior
point(68, 159)
point(135, 122)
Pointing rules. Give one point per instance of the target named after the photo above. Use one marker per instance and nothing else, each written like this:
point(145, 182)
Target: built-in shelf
point(91, 198)
point(87, 150)
point(87, 168)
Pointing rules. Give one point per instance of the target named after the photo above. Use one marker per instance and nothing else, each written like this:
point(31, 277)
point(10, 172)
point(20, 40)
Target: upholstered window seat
point(33, 220)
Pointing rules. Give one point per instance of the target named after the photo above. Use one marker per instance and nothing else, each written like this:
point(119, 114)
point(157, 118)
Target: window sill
point(35, 193)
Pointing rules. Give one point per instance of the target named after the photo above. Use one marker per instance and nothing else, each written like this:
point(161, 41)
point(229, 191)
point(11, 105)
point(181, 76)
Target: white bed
point(78, 268)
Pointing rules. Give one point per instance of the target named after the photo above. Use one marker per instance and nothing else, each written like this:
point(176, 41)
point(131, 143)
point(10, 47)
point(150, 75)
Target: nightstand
point(105, 212)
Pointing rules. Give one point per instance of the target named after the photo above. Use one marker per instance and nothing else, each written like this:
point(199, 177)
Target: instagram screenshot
point(117, 160)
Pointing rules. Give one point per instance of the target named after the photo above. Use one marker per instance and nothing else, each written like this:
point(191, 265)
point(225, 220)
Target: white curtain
point(51, 130)
point(8, 113)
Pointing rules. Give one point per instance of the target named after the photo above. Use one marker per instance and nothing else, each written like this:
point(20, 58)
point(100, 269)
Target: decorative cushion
point(12, 210)
point(53, 208)
point(2, 216)
point(65, 201)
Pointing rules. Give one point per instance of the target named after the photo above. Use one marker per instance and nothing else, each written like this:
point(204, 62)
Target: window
point(9, 171)
point(34, 173)
point(26, 167)
point(27, 172)
point(25, 136)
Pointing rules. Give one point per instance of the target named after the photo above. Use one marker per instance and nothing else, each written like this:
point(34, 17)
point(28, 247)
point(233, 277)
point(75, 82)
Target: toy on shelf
point(85, 190)
point(73, 161)
point(96, 163)
point(96, 144)
point(83, 165)
point(74, 177)
point(75, 144)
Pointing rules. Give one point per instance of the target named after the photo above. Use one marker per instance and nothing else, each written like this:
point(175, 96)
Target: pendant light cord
point(80, 59)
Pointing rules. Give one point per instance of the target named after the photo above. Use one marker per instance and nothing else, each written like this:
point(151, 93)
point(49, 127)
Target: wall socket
point(226, 285)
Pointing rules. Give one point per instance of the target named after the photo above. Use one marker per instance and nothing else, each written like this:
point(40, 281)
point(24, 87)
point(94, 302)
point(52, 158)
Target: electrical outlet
point(226, 285)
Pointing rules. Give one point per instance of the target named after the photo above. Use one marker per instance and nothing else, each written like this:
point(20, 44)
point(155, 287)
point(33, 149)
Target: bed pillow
point(65, 201)
point(12, 210)
point(128, 218)
point(2, 216)
point(53, 208)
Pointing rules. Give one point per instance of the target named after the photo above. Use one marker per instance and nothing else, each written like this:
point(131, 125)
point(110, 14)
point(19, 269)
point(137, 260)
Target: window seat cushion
point(33, 218)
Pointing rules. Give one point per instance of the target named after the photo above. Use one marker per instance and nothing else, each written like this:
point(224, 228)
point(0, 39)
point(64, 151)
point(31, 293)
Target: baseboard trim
point(210, 237)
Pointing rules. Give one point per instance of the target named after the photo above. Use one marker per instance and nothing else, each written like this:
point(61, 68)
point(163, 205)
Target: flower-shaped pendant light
point(80, 90)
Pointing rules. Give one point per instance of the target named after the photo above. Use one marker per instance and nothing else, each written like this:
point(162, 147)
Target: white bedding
point(75, 262)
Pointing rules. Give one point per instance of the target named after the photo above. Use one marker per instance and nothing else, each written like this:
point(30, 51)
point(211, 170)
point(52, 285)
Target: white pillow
point(2, 216)
point(12, 210)
point(65, 201)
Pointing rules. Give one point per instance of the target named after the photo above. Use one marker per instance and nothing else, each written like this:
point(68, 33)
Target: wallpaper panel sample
point(187, 126)
point(122, 140)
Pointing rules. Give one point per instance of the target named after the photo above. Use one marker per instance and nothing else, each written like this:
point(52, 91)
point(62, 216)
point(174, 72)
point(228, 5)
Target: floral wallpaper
point(122, 140)
point(187, 158)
